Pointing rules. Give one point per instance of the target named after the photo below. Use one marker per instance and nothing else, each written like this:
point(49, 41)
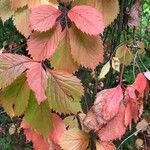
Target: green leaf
point(62, 59)
point(38, 116)
point(15, 97)
point(5, 10)
point(123, 51)
point(64, 92)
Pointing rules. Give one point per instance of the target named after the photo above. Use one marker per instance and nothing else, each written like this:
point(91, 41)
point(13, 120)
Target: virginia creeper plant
point(44, 87)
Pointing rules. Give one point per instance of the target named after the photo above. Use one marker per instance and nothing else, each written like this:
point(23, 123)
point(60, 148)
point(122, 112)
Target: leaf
point(22, 15)
point(39, 142)
point(38, 116)
point(36, 3)
point(116, 64)
point(86, 50)
point(140, 79)
point(43, 17)
point(108, 8)
point(100, 145)
point(12, 129)
point(58, 128)
point(134, 14)
point(114, 128)
point(92, 121)
point(128, 115)
point(45, 143)
point(64, 92)
point(5, 10)
point(147, 74)
point(87, 19)
point(104, 70)
point(37, 80)
point(74, 139)
point(62, 58)
point(15, 97)
point(124, 54)
point(15, 4)
point(143, 124)
point(11, 66)
point(43, 45)
point(107, 102)
point(71, 122)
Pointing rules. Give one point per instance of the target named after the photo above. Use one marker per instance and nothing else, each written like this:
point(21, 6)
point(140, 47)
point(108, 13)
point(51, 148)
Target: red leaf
point(58, 128)
point(114, 128)
point(130, 91)
point(87, 19)
point(128, 115)
point(41, 143)
point(140, 83)
point(43, 17)
point(37, 80)
point(43, 45)
point(134, 105)
point(107, 102)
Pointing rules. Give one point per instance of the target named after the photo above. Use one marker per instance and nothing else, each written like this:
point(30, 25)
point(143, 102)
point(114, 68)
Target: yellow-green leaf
point(38, 116)
point(22, 16)
point(124, 54)
point(15, 97)
point(5, 10)
point(62, 59)
point(64, 92)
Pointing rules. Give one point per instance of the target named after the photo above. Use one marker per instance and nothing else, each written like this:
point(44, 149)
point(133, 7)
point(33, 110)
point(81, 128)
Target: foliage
point(81, 61)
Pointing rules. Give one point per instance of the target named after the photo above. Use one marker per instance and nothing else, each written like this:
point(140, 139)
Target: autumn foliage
point(42, 87)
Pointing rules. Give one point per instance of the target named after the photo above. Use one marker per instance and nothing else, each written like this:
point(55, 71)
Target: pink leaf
point(87, 19)
point(45, 143)
point(11, 66)
point(128, 115)
point(107, 102)
point(43, 45)
point(91, 121)
point(147, 74)
point(134, 14)
point(37, 80)
point(43, 17)
point(130, 91)
point(114, 128)
point(140, 83)
point(39, 143)
point(58, 128)
point(134, 103)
